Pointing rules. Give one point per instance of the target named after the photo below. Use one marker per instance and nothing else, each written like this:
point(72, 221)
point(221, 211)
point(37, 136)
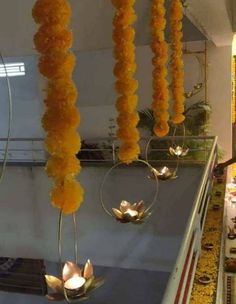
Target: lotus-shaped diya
point(131, 213)
point(179, 151)
point(163, 174)
point(76, 284)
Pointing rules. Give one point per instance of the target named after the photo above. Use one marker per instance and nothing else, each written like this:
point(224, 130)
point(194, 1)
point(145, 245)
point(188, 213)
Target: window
point(12, 69)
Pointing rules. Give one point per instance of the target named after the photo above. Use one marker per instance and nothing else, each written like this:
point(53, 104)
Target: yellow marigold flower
point(128, 119)
point(129, 151)
point(67, 195)
point(61, 118)
point(53, 38)
point(62, 90)
point(160, 104)
point(62, 167)
point(124, 69)
point(126, 133)
point(52, 11)
point(125, 17)
point(57, 64)
point(63, 143)
point(127, 86)
point(177, 60)
point(127, 103)
point(123, 35)
point(161, 129)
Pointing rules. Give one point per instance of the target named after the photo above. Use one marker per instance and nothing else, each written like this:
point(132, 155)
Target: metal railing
point(23, 151)
point(193, 226)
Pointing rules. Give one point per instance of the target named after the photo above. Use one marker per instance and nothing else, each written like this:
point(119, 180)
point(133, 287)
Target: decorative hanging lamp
point(126, 211)
point(60, 121)
point(73, 284)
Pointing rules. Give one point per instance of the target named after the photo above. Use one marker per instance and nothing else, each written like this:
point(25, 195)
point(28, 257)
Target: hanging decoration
point(162, 173)
point(128, 212)
point(159, 46)
point(74, 284)
point(126, 85)
point(176, 149)
point(177, 65)
point(61, 119)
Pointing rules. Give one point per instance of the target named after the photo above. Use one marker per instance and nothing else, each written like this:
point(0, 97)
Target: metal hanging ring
point(60, 243)
point(149, 209)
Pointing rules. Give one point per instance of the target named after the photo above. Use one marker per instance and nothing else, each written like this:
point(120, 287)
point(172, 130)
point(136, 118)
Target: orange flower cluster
point(176, 17)
point(61, 119)
point(160, 103)
point(126, 85)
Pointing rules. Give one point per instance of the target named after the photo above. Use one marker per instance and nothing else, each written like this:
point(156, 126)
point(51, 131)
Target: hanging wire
point(60, 242)
point(151, 205)
point(3, 170)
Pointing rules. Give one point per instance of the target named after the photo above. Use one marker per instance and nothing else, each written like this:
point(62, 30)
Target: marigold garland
point(176, 16)
point(126, 85)
point(61, 119)
point(160, 103)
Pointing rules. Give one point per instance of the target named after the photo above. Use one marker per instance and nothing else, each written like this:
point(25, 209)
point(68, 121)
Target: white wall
point(219, 94)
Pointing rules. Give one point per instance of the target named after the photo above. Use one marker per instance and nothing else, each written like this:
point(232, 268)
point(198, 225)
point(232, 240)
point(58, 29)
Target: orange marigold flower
point(123, 34)
point(177, 60)
point(128, 134)
point(161, 129)
point(125, 16)
point(178, 118)
point(160, 104)
point(127, 86)
point(62, 167)
point(67, 195)
point(128, 119)
point(129, 151)
point(127, 103)
point(61, 90)
point(63, 143)
point(52, 11)
point(53, 38)
point(61, 118)
point(57, 64)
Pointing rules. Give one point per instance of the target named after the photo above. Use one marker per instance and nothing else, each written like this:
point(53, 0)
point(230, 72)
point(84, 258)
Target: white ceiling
point(92, 21)
point(214, 18)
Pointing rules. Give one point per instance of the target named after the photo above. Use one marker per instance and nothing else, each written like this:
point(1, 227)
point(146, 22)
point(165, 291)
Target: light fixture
point(12, 69)
point(163, 173)
point(128, 212)
point(178, 151)
point(75, 284)
point(234, 46)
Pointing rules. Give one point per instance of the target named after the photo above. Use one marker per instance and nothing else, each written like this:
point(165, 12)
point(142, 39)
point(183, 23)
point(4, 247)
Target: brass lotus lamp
point(163, 173)
point(178, 151)
point(74, 284)
point(128, 212)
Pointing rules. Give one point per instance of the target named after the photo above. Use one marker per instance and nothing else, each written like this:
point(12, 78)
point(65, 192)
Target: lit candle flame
point(75, 282)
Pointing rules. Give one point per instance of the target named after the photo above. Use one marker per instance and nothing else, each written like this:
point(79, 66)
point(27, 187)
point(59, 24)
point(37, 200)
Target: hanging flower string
point(61, 119)
point(126, 85)
point(176, 17)
point(160, 103)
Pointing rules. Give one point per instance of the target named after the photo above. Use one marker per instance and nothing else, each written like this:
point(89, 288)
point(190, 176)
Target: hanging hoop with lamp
point(178, 150)
point(73, 284)
point(162, 173)
point(128, 212)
